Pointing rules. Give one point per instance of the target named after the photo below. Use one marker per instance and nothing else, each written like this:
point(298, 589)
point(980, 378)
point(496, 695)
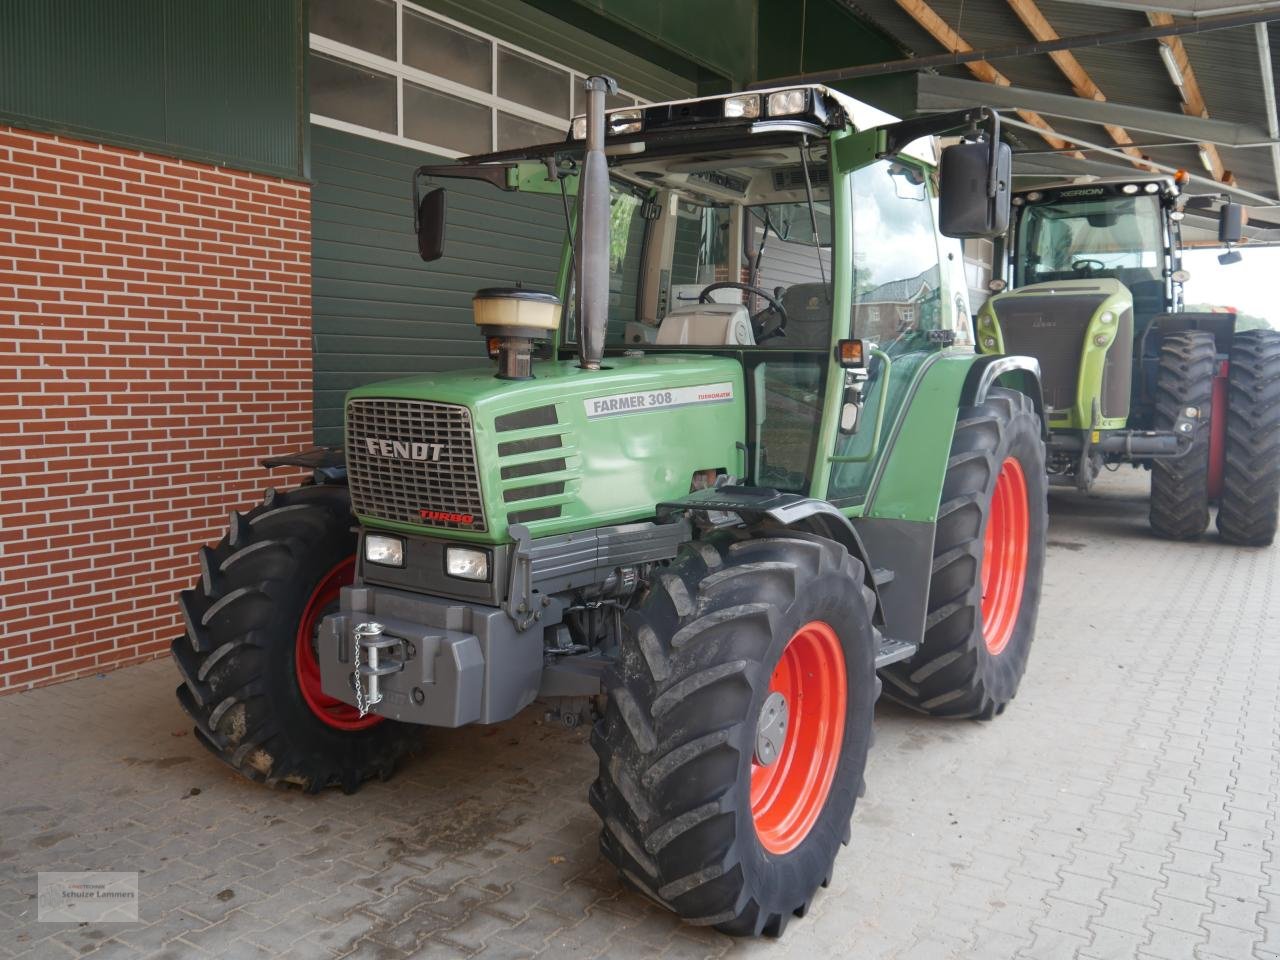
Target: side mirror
point(428, 222)
point(966, 209)
point(1231, 223)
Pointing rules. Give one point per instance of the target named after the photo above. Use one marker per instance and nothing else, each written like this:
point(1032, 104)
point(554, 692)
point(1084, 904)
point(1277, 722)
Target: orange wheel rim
point(330, 710)
point(789, 793)
point(1004, 556)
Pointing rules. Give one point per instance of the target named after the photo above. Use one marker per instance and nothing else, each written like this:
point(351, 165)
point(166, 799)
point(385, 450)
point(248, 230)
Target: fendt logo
point(404, 449)
point(444, 516)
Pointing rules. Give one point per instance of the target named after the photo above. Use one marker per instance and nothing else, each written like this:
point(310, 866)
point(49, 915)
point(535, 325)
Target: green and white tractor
point(745, 479)
point(1129, 376)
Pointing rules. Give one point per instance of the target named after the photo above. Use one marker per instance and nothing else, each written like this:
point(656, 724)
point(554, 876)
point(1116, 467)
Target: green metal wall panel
point(378, 310)
point(215, 80)
point(718, 35)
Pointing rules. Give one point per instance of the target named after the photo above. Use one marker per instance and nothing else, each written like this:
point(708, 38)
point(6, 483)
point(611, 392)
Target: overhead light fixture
point(1206, 161)
point(1171, 64)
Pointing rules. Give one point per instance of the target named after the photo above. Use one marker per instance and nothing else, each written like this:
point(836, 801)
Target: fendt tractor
point(745, 478)
point(1095, 271)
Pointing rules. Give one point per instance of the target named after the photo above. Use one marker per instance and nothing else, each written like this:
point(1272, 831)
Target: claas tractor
point(1129, 376)
point(732, 477)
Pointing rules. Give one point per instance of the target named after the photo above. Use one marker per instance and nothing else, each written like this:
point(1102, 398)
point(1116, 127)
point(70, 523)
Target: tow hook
point(365, 677)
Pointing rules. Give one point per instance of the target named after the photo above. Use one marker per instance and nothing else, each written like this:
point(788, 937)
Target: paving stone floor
point(1125, 806)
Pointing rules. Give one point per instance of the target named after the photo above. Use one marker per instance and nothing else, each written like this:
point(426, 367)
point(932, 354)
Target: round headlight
point(989, 342)
point(1129, 188)
point(1107, 317)
point(1101, 339)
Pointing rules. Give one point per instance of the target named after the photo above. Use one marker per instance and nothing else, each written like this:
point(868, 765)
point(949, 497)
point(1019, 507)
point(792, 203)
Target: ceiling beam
point(941, 31)
point(1192, 99)
point(1034, 20)
point(938, 93)
point(1269, 97)
point(1182, 8)
point(1248, 18)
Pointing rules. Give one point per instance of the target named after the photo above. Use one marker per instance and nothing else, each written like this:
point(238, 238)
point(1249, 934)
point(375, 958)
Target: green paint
point(220, 82)
point(1113, 300)
point(910, 483)
point(617, 466)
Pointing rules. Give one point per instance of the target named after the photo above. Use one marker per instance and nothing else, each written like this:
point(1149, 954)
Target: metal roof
point(1225, 62)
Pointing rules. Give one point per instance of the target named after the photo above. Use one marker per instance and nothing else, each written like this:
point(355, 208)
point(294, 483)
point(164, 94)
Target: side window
point(897, 285)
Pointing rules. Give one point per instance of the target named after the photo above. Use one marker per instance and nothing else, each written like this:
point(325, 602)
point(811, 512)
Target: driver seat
point(707, 325)
point(808, 307)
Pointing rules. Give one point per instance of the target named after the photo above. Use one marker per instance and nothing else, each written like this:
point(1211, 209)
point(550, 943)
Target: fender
point(1023, 374)
point(327, 464)
point(767, 507)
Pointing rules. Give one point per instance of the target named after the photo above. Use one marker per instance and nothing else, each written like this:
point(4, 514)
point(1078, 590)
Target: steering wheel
point(1087, 266)
point(759, 327)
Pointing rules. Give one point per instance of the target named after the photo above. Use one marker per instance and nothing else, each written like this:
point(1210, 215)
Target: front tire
point(735, 738)
point(250, 678)
point(1180, 485)
point(988, 563)
point(1250, 505)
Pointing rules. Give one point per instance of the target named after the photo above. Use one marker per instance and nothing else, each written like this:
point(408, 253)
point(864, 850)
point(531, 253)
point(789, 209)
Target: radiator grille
point(442, 492)
point(1051, 329)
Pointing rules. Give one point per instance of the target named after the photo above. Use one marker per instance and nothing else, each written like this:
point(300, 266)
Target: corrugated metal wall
point(378, 310)
point(215, 80)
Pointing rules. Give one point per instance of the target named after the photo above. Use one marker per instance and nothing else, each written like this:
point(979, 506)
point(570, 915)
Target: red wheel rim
point(1004, 556)
point(788, 795)
point(335, 713)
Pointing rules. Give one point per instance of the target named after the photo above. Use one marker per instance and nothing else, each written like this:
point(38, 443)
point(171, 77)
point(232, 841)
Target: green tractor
point(1096, 279)
point(745, 479)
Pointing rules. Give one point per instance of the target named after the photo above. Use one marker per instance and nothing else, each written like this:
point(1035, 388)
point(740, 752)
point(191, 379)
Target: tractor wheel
point(1180, 485)
point(988, 561)
point(735, 737)
point(251, 681)
point(1247, 513)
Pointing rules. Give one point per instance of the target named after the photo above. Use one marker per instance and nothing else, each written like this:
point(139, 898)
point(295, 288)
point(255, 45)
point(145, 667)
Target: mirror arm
point(898, 135)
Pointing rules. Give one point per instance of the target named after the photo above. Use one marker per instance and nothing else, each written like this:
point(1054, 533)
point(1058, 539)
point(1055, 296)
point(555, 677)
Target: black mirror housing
point(1231, 223)
point(429, 224)
point(966, 208)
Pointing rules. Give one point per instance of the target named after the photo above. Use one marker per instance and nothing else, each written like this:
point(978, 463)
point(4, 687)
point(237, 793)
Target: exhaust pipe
point(593, 231)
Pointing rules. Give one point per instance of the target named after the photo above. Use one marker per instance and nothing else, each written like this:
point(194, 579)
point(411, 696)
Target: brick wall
point(155, 323)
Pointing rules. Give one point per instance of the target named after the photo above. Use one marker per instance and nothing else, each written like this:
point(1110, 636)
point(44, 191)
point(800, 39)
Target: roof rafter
point(1192, 98)
point(1084, 86)
point(941, 31)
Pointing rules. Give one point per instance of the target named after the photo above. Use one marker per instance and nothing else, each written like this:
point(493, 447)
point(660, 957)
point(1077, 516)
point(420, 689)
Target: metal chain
point(361, 631)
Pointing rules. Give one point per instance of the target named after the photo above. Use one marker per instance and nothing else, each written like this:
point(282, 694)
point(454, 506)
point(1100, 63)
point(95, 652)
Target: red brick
point(162, 349)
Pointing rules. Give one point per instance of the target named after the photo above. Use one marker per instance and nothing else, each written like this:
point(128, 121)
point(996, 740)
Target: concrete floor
point(1124, 806)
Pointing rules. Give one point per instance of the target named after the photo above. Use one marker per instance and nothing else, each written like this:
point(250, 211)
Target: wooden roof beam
point(941, 31)
point(1192, 98)
point(1083, 84)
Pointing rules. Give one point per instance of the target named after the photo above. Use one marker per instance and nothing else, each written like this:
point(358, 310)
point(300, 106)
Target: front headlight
point(624, 121)
point(578, 130)
point(746, 107)
point(785, 103)
point(384, 551)
point(466, 563)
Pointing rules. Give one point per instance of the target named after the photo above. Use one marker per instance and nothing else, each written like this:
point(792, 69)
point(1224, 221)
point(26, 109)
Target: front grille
point(385, 484)
point(1051, 329)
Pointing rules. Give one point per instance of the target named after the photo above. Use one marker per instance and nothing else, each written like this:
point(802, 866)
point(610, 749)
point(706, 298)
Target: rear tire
point(244, 680)
point(1247, 513)
point(689, 817)
point(1180, 486)
point(994, 510)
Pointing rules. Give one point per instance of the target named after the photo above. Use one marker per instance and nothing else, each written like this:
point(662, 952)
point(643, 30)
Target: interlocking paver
point(1125, 807)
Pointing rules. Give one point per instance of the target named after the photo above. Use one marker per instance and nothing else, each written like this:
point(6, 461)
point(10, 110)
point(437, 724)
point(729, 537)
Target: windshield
point(1113, 236)
point(721, 248)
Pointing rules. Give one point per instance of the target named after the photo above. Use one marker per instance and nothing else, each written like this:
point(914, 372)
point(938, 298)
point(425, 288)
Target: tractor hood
point(464, 455)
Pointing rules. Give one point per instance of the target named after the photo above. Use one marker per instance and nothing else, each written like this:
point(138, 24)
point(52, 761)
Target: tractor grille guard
point(413, 461)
